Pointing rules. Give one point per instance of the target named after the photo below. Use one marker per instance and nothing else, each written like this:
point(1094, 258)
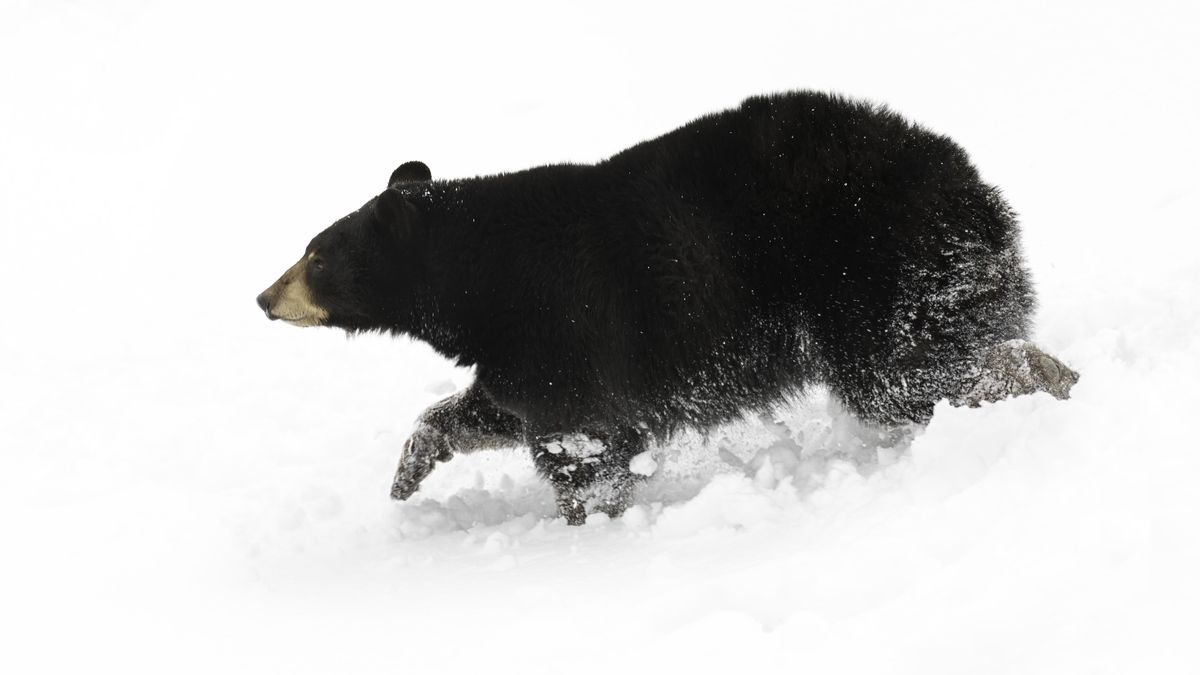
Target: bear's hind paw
point(1015, 368)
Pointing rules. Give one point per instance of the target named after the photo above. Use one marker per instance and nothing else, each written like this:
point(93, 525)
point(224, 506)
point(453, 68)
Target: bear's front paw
point(423, 450)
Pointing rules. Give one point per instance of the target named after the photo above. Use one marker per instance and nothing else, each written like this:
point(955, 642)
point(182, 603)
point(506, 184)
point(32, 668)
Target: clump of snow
point(575, 445)
point(441, 387)
point(643, 463)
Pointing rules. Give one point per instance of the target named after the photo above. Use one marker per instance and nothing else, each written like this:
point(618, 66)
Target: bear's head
point(359, 274)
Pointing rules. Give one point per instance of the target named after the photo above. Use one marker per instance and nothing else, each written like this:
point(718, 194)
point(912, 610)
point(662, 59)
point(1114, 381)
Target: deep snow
point(186, 487)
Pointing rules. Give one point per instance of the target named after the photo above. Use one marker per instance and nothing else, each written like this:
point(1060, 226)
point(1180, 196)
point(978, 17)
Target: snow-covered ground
point(186, 487)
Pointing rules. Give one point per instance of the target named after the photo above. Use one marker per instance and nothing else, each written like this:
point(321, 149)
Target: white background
point(186, 487)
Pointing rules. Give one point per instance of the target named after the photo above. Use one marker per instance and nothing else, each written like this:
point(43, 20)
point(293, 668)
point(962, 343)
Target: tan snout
point(290, 299)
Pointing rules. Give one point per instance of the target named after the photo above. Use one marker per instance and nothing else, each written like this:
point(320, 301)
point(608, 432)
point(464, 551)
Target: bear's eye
point(318, 265)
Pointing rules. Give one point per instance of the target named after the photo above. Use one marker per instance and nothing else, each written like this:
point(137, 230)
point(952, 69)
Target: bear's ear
point(410, 172)
point(392, 209)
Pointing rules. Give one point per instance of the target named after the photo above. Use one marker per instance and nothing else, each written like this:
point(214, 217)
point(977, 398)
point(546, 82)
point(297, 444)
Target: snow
point(187, 487)
point(643, 463)
point(575, 445)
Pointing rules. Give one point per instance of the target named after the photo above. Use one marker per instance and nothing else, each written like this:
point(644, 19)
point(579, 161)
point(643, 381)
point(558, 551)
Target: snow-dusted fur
point(800, 238)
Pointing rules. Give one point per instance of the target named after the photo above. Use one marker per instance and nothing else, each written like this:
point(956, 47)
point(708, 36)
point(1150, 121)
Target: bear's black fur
point(797, 239)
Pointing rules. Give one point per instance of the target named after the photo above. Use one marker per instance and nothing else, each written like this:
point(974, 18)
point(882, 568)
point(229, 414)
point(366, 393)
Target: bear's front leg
point(465, 422)
point(422, 451)
point(589, 472)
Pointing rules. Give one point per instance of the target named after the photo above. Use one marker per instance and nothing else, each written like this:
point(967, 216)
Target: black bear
point(798, 239)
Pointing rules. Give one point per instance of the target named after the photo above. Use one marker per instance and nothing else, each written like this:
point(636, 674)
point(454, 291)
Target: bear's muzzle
point(290, 299)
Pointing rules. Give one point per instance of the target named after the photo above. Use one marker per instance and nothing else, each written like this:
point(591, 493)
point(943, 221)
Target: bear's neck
point(486, 242)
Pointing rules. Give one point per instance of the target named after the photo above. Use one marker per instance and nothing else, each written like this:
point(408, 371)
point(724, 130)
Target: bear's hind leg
point(954, 301)
point(1013, 368)
point(956, 331)
point(464, 422)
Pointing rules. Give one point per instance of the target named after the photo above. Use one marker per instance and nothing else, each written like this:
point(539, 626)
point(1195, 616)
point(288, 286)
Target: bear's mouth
point(301, 321)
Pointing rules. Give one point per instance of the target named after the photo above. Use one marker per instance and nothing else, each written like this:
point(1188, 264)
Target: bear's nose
point(265, 305)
